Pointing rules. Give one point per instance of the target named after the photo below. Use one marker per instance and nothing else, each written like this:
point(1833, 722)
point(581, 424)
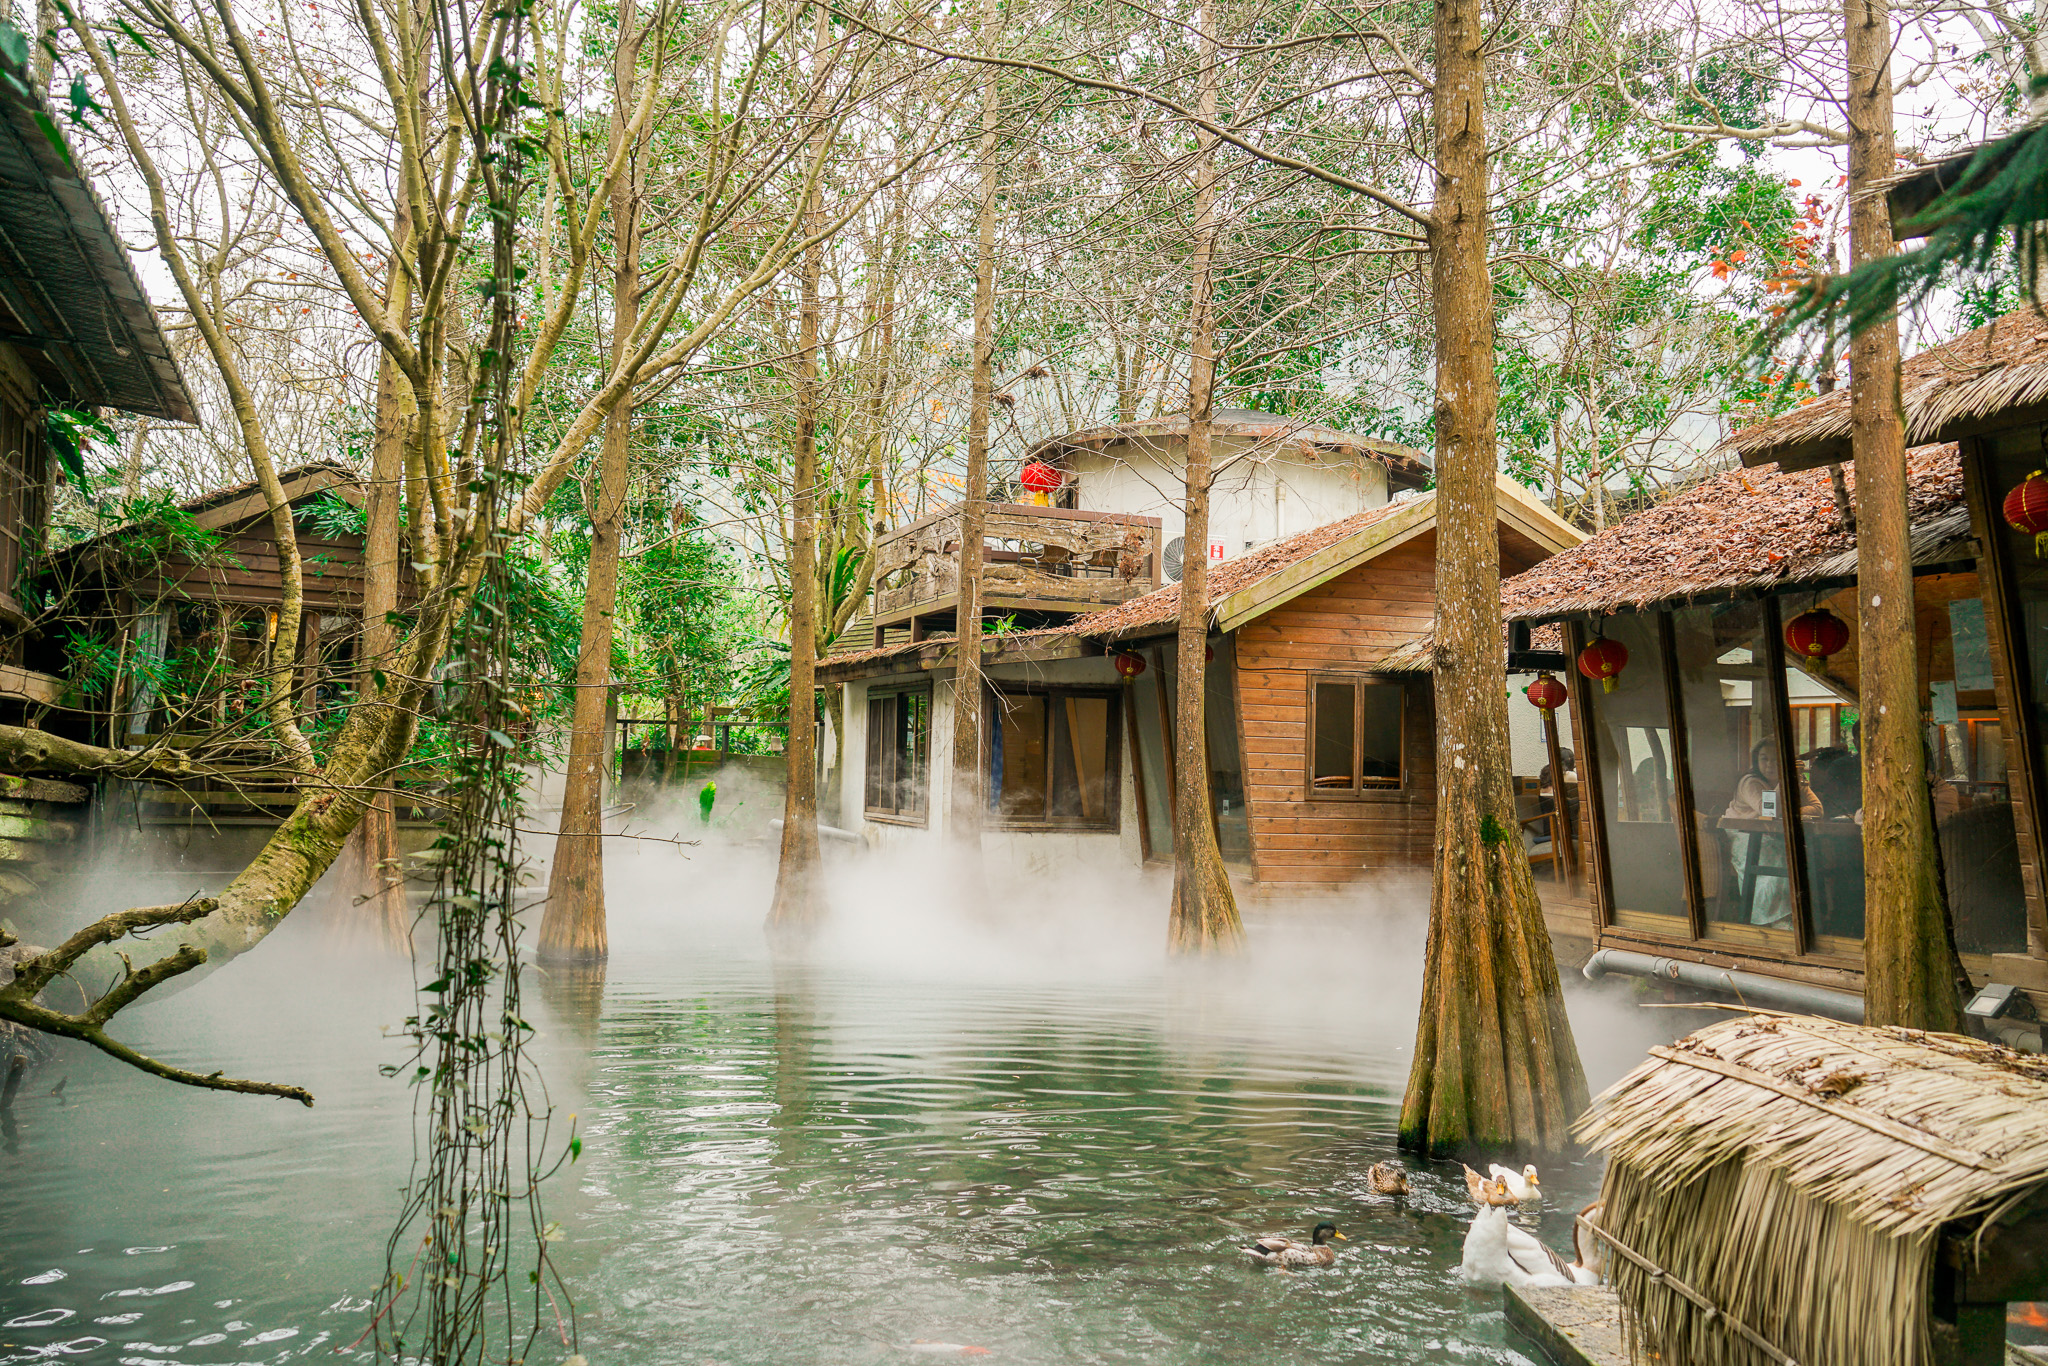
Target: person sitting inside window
point(1836, 776)
point(1756, 848)
point(1764, 776)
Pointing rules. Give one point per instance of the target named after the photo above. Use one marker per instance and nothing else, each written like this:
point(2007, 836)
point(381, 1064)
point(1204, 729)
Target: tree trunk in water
point(1204, 915)
point(794, 914)
point(1909, 967)
point(371, 912)
point(1495, 1065)
point(965, 798)
point(573, 928)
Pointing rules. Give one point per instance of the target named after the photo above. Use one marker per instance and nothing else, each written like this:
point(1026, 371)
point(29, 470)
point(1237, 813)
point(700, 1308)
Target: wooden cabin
point(1322, 760)
point(199, 609)
point(76, 331)
point(1721, 781)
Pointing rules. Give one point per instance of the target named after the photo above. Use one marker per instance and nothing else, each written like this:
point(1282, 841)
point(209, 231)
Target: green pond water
point(1040, 1143)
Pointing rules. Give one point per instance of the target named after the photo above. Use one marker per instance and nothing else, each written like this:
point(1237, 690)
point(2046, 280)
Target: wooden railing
point(1033, 559)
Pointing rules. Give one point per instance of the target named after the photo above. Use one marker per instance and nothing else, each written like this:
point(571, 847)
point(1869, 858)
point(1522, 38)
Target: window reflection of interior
point(898, 755)
point(1052, 759)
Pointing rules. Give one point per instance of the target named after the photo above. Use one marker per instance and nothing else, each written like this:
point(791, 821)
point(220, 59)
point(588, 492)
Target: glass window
point(1053, 759)
point(1380, 735)
point(1357, 735)
point(1018, 761)
point(1226, 764)
point(1631, 736)
point(898, 754)
point(1336, 736)
point(1735, 762)
point(1821, 698)
point(1973, 810)
point(1149, 731)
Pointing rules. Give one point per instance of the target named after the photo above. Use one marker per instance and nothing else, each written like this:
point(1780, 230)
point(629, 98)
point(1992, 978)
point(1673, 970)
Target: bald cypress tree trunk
point(1495, 1065)
point(796, 910)
point(1204, 916)
point(573, 930)
point(965, 797)
point(1909, 964)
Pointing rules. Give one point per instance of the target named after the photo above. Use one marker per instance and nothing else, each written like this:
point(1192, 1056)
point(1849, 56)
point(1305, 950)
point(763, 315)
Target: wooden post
point(1563, 834)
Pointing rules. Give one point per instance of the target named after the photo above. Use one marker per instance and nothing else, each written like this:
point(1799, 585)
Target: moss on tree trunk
point(1495, 1065)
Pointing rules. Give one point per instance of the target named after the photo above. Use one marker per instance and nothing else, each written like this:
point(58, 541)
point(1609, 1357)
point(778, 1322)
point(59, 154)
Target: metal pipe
point(825, 832)
point(1746, 987)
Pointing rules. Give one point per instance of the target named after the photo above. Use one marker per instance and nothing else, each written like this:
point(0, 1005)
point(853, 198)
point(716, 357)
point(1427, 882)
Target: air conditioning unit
point(1170, 557)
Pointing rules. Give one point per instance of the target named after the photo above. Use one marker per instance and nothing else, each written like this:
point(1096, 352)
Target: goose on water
point(1495, 1255)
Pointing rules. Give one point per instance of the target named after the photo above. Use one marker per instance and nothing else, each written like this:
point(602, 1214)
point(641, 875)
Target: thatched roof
point(1796, 1171)
point(1745, 530)
point(1947, 390)
point(1161, 606)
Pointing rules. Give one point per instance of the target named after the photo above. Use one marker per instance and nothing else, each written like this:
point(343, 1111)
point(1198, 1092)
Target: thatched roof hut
point(1996, 375)
point(1803, 1176)
point(1742, 531)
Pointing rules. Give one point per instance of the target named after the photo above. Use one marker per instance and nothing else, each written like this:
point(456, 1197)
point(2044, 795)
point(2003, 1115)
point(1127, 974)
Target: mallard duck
point(1497, 1253)
point(1524, 1185)
point(1272, 1250)
point(1387, 1178)
point(1486, 1194)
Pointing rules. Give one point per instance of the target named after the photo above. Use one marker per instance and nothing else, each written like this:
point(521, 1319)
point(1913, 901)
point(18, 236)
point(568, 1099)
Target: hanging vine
point(468, 1277)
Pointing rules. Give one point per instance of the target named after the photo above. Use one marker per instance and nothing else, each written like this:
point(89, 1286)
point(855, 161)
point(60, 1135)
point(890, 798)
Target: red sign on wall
point(1215, 550)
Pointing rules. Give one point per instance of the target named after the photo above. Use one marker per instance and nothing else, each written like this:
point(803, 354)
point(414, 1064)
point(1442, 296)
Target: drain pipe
point(1746, 987)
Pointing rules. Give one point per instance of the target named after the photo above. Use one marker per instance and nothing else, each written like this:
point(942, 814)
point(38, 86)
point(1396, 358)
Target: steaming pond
point(932, 1135)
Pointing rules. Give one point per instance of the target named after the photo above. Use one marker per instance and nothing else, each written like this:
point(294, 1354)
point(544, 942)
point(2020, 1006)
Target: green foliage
point(1986, 228)
point(332, 517)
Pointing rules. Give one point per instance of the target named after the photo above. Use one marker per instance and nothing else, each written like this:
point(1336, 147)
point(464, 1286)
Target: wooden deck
point(1035, 559)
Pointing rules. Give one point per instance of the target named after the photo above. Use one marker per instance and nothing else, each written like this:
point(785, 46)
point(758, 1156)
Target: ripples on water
point(852, 1164)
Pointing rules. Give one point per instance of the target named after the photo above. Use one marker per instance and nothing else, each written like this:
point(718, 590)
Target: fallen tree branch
point(26, 750)
point(18, 996)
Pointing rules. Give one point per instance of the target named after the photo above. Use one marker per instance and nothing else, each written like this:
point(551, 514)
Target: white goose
point(1524, 1185)
point(1496, 1253)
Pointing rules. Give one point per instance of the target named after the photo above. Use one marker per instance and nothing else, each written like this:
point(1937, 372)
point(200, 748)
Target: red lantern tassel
point(1609, 683)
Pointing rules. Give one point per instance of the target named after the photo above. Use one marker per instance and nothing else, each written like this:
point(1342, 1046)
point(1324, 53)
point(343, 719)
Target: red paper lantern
point(1815, 635)
point(2026, 509)
point(1603, 659)
point(1129, 666)
point(1040, 477)
point(1546, 693)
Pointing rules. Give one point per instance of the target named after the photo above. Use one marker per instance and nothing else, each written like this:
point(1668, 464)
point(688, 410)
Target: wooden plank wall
point(1344, 626)
point(333, 572)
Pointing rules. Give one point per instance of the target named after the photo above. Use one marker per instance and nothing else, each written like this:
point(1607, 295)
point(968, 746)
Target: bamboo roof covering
point(1946, 390)
point(1797, 1171)
point(1744, 530)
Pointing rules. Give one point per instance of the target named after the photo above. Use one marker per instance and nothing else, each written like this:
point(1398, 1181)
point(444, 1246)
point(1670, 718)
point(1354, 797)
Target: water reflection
point(791, 1163)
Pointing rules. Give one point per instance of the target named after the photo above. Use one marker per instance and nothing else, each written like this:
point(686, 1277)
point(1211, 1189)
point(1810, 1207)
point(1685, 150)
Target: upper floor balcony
point(1037, 562)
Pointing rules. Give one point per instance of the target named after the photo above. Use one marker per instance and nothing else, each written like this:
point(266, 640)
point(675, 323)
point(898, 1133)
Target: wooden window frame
point(1586, 707)
point(883, 815)
point(1113, 773)
point(1374, 789)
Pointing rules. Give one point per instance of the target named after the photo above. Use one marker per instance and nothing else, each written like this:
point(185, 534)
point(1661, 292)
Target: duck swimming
point(1272, 1250)
point(1387, 1178)
point(1486, 1193)
point(1525, 1185)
